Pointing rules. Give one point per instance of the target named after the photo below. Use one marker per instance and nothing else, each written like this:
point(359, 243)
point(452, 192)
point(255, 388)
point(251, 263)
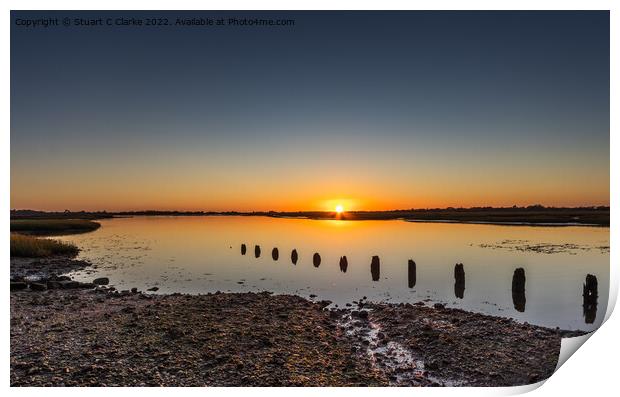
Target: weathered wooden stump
point(459, 280)
point(294, 256)
point(316, 259)
point(344, 264)
point(375, 268)
point(257, 251)
point(275, 254)
point(518, 289)
point(590, 298)
point(411, 276)
point(243, 249)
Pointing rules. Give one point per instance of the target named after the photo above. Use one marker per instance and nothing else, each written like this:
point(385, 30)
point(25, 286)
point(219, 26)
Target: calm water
point(203, 254)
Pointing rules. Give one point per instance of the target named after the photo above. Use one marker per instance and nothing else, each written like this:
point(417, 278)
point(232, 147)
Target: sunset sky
point(367, 110)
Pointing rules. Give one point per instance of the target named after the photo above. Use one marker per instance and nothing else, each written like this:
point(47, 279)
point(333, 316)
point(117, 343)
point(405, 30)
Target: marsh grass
point(34, 247)
point(52, 226)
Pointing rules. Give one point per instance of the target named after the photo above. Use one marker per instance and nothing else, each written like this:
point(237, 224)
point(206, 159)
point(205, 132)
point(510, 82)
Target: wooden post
point(375, 268)
point(518, 289)
point(459, 280)
point(275, 254)
point(590, 298)
point(243, 249)
point(256, 251)
point(294, 256)
point(344, 264)
point(316, 259)
point(411, 274)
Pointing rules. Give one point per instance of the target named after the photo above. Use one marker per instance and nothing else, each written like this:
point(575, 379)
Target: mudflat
point(98, 336)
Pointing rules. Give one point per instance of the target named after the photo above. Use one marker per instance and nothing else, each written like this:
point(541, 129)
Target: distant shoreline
point(558, 224)
point(512, 216)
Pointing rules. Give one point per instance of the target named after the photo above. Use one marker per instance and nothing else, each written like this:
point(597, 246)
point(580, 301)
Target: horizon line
point(532, 206)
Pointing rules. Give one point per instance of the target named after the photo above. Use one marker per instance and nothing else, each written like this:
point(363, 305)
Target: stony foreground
point(97, 337)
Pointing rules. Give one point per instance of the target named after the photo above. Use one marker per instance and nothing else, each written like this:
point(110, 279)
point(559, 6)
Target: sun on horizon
point(339, 209)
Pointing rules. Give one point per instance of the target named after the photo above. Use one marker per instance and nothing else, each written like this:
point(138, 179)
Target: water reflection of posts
point(459, 280)
point(344, 264)
point(518, 289)
point(411, 274)
point(243, 249)
point(275, 254)
point(256, 251)
point(590, 298)
point(316, 259)
point(374, 268)
point(294, 256)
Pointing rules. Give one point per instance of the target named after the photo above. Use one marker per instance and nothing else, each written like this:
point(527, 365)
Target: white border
point(593, 370)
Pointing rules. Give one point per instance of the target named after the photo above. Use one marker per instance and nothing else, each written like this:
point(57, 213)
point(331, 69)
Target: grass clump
point(33, 247)
point(53, 226)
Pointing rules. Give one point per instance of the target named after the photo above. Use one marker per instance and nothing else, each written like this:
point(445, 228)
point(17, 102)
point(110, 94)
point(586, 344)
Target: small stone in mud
point(69, 284)
point(101, 281)
point(18, 285)
point(153, 289)
point(439, 306)
point(53, 285)
point(324, 303)
point(38, 286)
point(134, 290)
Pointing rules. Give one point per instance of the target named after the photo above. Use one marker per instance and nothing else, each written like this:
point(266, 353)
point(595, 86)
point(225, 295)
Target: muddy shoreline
point(90, 335)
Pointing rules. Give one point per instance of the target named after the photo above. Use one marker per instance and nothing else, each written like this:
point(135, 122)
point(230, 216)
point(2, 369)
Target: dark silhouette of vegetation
point(532, 214)
point(33, 247)
point(52, 226)
point(32, 214)
point(535, 214)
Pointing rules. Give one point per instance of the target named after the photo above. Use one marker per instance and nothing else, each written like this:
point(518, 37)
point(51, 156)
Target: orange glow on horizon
point(122, 193)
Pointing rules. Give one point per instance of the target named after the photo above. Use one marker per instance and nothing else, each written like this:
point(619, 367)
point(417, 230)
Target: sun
point(339, 208)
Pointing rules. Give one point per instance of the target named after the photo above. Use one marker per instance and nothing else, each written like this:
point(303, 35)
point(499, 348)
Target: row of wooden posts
point(590, 287)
